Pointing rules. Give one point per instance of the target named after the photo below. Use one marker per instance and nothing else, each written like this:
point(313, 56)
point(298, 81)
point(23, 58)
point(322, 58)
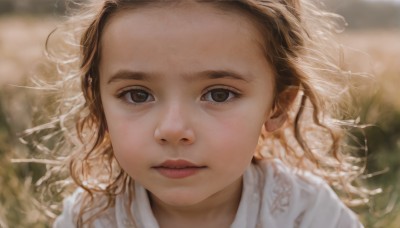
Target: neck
point(219, 208)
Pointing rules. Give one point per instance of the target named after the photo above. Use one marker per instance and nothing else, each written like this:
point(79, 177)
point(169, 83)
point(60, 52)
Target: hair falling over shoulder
point(300, 46)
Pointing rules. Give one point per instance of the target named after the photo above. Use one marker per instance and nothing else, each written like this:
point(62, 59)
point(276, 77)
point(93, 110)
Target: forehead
point(186, 35)
point(160, 19)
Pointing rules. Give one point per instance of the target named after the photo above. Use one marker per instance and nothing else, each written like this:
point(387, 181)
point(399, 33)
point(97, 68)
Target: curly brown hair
point(298, 42)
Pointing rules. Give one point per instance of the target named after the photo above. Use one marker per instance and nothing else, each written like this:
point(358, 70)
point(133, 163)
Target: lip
point(177, 169)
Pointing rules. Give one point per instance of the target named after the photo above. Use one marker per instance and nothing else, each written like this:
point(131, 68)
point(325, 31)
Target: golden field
point(22, 42)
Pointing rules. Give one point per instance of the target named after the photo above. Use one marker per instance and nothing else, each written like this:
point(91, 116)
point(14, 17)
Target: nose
point(174, 127)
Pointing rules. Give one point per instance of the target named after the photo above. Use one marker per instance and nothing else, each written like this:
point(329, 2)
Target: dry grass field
point(378, 52)
point(21, 48)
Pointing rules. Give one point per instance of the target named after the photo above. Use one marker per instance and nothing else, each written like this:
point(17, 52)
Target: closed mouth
point(178, 169)
point(177, 164)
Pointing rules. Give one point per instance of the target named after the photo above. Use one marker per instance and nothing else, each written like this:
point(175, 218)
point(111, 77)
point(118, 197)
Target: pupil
point(219, 96)
point(139, 96)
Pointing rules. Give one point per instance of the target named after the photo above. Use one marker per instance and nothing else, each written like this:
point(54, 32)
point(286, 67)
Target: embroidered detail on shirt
point(128, 223)
point(281, 193)
point(298, 220)
point(110, 218)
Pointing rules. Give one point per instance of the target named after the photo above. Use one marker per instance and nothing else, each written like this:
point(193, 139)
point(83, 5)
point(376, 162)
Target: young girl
point(205, 114)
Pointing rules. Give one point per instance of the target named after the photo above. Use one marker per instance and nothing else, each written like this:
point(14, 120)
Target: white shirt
point(273, 196)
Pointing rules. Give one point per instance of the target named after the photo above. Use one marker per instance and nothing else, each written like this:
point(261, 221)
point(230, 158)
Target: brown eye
point(137, 96)
point(219, 95)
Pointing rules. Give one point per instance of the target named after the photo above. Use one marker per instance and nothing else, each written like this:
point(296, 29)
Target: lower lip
point(179, 173)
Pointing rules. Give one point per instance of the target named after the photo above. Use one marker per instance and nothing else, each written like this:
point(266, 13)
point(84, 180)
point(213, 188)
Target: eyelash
point(126, 95)
point(231, 94)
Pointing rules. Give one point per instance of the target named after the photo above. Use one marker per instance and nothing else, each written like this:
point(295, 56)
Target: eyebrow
point(216, 74)
point(203, 75)
point(129, 75)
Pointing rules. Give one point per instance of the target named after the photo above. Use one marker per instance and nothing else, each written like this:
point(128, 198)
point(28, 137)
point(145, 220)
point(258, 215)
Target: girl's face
point(186, 90)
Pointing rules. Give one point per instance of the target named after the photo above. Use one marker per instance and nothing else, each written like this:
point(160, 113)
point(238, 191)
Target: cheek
point(244, 124)
point(128, 138)
point(236, 136)
point(128, 146)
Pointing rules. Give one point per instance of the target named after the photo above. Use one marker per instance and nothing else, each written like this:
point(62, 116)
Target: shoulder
point(67, 218)
point(301, 199)
point(71, 207)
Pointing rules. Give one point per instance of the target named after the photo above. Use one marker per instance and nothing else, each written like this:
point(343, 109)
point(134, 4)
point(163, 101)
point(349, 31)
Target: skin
point(174, 108)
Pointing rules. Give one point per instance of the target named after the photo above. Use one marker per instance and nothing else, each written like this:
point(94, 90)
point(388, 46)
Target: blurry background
point(372, 44)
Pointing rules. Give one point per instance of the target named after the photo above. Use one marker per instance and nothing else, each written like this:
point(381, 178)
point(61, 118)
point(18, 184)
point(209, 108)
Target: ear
point(280, 114)
point(274, 123)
